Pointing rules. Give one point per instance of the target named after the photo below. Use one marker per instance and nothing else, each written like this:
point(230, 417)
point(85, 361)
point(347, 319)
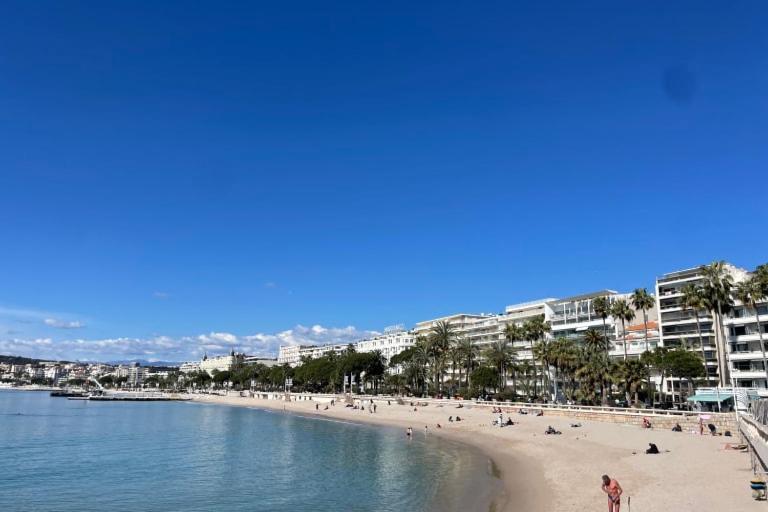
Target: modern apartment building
point(390, 343)
point(732, 351)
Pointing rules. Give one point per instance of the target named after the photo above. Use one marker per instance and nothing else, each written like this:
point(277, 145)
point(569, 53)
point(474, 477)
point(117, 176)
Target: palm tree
point(440, 338)
point(499, 354)
point(750, 292)
point(602, 307)
point(594, 344)
point(631, 375)
point(469, 353)
point(513, 333)
point(717, 288)
point(694, 299)
point(543, 353)
point(536, 328)
point(623, 312)
point(643, 301)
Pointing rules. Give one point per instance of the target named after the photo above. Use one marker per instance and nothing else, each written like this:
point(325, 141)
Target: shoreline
point(562, 472)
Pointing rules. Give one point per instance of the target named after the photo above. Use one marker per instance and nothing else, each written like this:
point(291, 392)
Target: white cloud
point(270, 284)
point(179, 348)
point(161, 295)
point(63, 324)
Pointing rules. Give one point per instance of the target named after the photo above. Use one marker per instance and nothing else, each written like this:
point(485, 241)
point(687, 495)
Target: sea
point(62, 455)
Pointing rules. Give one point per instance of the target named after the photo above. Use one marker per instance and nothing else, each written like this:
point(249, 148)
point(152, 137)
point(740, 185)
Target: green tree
point(694, 299)
point(440, 339)
point(602, 307)
point(535, 328)
point(484, 378)
point(643, 301)
point(718, 283)
point(621, 310)
point(749, 292)
point(499, 354)
point(631, 375)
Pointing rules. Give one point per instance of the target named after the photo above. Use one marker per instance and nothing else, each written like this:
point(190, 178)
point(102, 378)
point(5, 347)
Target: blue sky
point(177, 177)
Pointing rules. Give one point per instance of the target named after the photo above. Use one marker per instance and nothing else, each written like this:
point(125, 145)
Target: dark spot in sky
point(679, 84)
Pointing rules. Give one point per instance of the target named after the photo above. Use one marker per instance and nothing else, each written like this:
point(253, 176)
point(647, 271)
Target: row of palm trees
point(715, 295)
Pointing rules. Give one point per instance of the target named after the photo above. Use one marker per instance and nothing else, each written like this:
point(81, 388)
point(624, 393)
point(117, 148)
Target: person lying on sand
point(677, 428)
point(551, 431)
point(575, 425)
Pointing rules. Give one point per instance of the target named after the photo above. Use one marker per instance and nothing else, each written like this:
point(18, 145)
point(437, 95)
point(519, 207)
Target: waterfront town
point(676, 316)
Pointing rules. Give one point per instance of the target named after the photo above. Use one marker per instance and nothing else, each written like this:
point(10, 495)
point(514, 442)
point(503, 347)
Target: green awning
point(710, 397)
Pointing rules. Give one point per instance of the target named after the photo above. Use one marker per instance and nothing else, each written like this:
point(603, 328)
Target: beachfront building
point(743, 335)
point(293, 354)
point(220, 363)
point(678, 324)
point(393, 341)
point(573, 316)
point(190, 367)
point(266, 361)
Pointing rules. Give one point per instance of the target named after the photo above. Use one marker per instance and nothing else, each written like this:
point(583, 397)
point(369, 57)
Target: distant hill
point(22, 360)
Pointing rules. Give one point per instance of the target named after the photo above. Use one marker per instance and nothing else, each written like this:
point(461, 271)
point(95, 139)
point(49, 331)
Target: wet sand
point(562, 472)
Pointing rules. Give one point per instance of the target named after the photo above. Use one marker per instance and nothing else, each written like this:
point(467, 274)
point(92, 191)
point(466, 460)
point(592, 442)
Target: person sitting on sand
point(450, 419)
point(614, 491)
point(551, 431)
point(509, 422)
point(712, 429)
point(677, 428)
point(458, 418)
point(439, 426)
point(646, 423)
point(460, 406)
point(652, 449)
point(523, 411)
point(540, 413)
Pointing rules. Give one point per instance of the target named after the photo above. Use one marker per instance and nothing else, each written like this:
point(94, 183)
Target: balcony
point(748, 374)
point(746, 356)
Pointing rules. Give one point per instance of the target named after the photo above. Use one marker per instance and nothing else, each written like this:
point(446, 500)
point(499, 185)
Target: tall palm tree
point(750, 292)
point(440, 338)
point(536, 328)
point(596, 358)
point(643, 301)
point(469, 353)
point(602, 307)
point(717, 288)
point(499, 354)
point(513, 333)
point(694, 299)
point(623, 312)
point(543, 353)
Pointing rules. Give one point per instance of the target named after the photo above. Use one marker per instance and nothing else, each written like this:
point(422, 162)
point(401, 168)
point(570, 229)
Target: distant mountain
point(22, 360)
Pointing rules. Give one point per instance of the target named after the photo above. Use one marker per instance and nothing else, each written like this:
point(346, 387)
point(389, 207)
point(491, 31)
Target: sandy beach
point(562, 472)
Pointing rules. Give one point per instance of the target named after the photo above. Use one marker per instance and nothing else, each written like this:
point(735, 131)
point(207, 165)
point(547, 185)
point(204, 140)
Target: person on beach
point(426, 428)
point(652, 449)
point(614, 491)
point(408, 432)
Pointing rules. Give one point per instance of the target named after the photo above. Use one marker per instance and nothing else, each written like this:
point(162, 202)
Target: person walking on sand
point(614, 491)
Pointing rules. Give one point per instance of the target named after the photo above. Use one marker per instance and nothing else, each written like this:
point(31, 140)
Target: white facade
point(190, 367)
point(389, 344)
point(220, 363)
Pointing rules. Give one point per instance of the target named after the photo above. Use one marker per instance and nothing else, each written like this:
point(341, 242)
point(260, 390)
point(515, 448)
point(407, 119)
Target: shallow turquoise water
point(63, 455)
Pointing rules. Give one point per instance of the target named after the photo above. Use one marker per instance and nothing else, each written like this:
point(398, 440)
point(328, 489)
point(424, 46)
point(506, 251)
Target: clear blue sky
point(170, 170)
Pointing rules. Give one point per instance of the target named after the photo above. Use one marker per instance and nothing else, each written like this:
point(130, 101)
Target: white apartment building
point(744, 354)
point(220, 363)
point(678, 325)
point(391, 343)
point(190, 367)
point(293, 354)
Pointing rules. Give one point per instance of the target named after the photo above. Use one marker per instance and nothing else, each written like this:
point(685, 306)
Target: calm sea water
point(63, 455)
